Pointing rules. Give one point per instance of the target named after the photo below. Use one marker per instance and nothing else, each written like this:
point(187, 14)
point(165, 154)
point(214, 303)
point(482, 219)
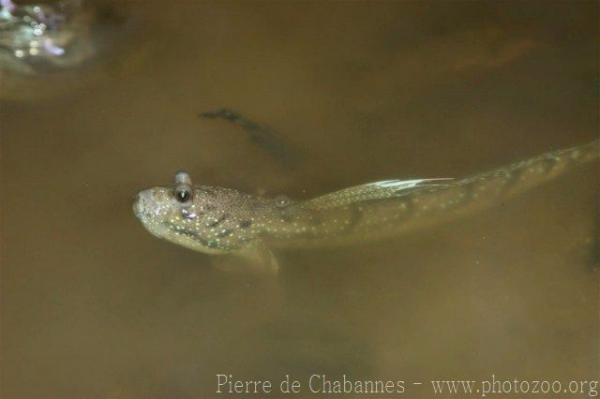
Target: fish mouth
point(145, 207)
point(137, 209)
point(144, 214)
point(140, 206)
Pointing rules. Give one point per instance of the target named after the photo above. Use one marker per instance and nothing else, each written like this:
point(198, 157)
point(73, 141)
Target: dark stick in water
point(261, 135)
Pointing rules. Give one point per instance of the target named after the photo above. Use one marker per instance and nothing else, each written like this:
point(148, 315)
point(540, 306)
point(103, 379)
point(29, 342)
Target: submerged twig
point(261, 135)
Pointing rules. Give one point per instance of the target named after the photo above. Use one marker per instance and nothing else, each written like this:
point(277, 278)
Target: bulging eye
point(183, 195)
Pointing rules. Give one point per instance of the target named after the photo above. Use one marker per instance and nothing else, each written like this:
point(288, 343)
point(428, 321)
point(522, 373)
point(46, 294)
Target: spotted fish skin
point(216, 220)
point(382, 209)
point(219, 220)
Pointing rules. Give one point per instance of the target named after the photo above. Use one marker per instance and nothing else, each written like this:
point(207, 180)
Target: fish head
point(200, 218)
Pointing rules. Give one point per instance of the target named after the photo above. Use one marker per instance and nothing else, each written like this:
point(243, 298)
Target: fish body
point(219, 220)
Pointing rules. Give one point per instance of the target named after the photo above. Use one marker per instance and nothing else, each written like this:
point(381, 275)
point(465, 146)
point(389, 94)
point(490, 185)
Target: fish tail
point(523, 175)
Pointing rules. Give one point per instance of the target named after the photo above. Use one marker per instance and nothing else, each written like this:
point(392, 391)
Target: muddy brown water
point(95, 307)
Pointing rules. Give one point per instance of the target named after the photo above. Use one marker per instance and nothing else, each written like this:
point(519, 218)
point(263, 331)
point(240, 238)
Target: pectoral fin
point(254, 258)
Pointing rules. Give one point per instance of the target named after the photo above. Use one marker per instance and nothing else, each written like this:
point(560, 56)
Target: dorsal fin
point(378, 190)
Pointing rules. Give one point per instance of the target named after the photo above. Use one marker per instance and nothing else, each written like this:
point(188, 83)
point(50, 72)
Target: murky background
point(95, 307)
